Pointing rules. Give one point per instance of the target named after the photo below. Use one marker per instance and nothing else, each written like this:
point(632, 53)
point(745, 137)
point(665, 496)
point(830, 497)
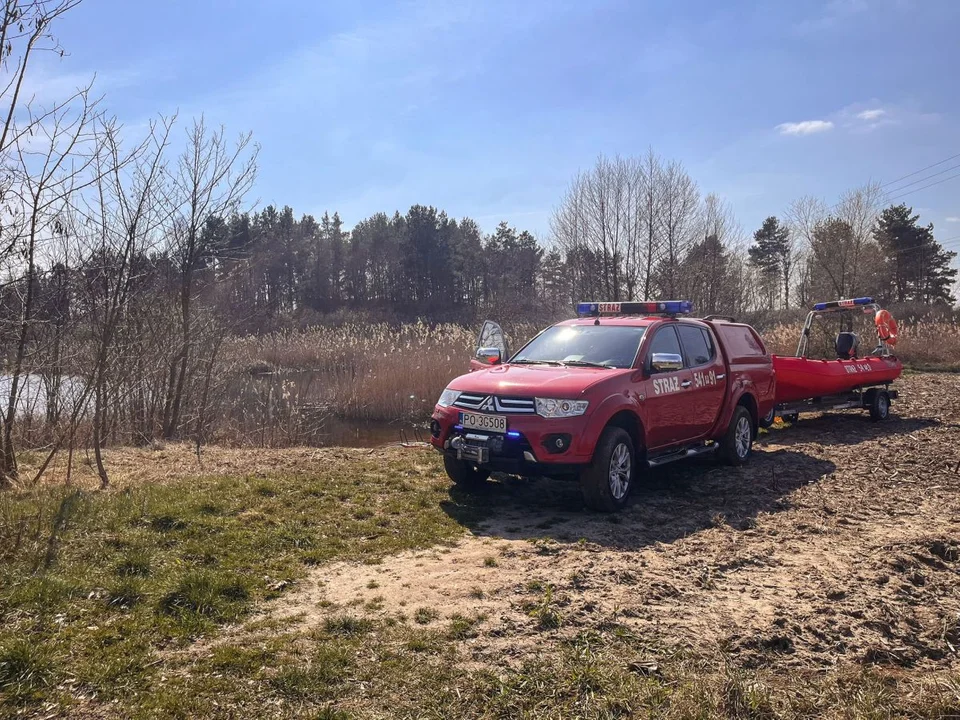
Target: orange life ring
point(886, 327)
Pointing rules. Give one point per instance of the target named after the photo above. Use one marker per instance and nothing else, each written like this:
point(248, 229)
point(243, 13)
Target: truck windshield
point(613, 346)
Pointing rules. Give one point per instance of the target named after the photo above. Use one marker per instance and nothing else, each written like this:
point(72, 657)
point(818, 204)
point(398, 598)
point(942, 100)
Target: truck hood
point(533, 380)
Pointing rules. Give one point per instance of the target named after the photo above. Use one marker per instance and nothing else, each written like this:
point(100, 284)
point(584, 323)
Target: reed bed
point(383, 373)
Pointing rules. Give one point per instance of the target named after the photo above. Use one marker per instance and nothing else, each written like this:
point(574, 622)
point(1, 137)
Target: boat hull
point(804, 378)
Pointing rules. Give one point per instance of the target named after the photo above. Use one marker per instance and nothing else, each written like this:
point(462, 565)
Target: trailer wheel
point(879, 406)
point(464, 474)
point(767, 420)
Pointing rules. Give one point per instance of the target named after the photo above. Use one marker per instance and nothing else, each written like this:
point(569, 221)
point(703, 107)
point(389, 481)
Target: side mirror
point(489, 356)
point(666, 362)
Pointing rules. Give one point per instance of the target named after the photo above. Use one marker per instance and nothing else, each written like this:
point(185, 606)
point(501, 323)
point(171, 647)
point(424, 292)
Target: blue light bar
point(852, 302)
point(658, 307)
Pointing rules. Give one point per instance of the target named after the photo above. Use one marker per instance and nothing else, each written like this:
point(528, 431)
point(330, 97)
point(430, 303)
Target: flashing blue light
point(458, 427)
point(513, 434)
point(834, 304)
point(657, 307)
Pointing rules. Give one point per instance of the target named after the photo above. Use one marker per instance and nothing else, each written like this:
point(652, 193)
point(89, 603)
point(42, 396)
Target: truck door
point(708, 390)
point(491, 336)
point(665, 393)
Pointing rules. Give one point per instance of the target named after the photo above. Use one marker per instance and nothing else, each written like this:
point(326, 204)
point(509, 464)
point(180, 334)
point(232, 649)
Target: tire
point(880, 406)
point(737, 443)
point(767, 420)
point(606, 482)
point(464, 474)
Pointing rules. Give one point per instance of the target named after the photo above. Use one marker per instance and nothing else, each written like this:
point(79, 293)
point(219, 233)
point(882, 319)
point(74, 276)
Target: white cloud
point(807, 127)
point(953, 218)
point(873, 114)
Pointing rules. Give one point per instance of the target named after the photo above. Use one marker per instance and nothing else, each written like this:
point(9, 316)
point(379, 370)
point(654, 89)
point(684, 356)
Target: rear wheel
point(737, 443)
point(463, 473)
point(606, 482)
point(879, 406)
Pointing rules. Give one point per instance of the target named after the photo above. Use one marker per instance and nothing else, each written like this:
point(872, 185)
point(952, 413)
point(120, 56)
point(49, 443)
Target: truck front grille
point(495, 404)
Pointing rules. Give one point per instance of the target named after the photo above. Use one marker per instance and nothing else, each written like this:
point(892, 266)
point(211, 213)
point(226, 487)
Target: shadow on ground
point(843, 428)
point(668, 504)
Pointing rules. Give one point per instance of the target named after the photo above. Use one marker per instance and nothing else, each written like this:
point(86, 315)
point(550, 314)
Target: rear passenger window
point(740, 341)
point(665, 341)
point(696, 350)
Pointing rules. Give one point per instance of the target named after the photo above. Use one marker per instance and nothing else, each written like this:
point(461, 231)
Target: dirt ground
point(838, 542)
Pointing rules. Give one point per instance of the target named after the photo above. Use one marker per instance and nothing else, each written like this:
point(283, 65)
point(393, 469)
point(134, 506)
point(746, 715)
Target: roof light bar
point(659, 307)
point(852, 302)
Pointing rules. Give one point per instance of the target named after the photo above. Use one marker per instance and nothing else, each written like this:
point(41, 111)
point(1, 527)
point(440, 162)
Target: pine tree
point(918, 266)
point(771, 254)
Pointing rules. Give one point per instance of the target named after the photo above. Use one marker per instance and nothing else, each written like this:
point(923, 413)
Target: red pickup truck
point(622, 386)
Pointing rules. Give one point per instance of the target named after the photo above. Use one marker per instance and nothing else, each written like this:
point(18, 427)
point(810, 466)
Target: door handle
point(685, 383)
point(721, 376)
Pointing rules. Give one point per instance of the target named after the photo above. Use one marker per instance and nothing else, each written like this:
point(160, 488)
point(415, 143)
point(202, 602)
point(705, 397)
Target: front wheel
point(464, 474)
point(606, 482)
point(737, 444)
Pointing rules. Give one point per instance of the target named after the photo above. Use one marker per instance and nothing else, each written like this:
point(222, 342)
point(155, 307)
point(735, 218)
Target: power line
point(910, 192)
point(917, 172)
point(923, 179)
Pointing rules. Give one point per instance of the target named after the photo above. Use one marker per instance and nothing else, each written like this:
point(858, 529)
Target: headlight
point(551, 408)
point(448, 397)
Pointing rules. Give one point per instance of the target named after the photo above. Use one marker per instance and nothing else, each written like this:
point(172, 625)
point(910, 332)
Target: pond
point(252, 412)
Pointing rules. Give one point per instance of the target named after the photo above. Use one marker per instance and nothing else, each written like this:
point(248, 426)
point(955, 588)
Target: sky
point(488, 108)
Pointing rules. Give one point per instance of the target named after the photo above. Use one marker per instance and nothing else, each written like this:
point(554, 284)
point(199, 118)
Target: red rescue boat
point(850, 381)
point(800, 378)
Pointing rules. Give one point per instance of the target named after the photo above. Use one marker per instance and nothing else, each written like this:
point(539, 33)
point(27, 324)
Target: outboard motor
point(846, 345)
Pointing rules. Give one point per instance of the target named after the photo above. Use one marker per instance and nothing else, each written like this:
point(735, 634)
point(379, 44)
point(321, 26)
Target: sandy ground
point(840, 541)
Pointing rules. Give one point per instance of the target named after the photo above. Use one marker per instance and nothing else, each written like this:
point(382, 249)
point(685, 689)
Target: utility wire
point(910, 192)
point(923, 179)
point(917, 172)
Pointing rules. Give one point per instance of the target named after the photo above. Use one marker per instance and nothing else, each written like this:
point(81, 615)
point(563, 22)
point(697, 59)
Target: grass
point(99, 587)
point(405, 671)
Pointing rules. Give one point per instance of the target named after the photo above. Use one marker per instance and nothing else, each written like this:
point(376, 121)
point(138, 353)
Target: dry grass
point(360, 372)
point(383, 373)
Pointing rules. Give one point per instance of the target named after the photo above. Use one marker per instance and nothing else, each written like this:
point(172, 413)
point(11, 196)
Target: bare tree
point(211, 179)
point(707, 272)
point(127, 217)
point(678, 223)
point(649, 211)
point(49, 168)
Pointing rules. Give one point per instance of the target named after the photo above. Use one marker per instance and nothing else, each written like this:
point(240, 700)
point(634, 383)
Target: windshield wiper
point(587, 363)
point(525, 361)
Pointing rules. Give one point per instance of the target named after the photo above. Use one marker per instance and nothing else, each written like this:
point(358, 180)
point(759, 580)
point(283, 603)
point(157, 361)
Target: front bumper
point(532, 444)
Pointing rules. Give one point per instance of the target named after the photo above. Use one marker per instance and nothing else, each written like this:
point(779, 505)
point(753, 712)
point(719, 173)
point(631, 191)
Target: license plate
point(490, 423)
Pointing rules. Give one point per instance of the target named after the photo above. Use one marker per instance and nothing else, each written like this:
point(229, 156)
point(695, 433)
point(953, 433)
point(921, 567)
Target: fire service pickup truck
point(626, 384)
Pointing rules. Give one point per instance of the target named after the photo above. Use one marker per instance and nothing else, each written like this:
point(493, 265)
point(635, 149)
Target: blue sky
point(488, 109)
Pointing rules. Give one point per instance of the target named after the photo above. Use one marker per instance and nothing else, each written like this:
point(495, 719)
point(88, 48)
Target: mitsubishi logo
point(487, 404)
